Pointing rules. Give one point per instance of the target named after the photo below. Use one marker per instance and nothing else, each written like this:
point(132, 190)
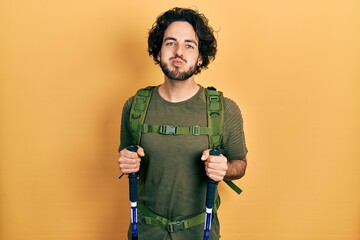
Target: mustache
point(180, 57)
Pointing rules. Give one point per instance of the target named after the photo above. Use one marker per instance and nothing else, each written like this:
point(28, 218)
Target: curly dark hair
point(205, 33)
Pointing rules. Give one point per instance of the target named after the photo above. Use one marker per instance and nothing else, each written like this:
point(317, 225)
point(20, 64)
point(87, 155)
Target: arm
point(129, 162)
point(236, 169)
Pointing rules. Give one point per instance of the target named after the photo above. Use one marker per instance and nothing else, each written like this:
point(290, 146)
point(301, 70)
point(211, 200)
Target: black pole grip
point(211, 186)
point(133, 179)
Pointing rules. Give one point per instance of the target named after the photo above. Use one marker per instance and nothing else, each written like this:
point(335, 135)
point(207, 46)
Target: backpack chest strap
point(174, 130)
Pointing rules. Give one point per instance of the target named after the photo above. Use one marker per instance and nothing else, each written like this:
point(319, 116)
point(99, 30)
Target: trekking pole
point(210, 197)
point(133, 198)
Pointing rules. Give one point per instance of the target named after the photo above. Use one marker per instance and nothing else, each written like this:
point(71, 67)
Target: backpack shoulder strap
point(215, 116)
point(215, 111)
point(138, 111)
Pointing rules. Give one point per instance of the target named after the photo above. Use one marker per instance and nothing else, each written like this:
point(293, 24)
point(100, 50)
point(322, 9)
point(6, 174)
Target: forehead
point(181, 30)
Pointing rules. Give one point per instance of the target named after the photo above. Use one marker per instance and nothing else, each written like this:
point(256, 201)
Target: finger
point(219, 166)
point(216, 175)
point(205, 155)
point(126, 160)
point(129, 168)
point(126, 154)
point(129, 171)
point(140, 151)
point(218, 159)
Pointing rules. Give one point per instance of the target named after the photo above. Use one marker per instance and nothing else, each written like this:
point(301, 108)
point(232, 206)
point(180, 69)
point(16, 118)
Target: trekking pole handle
point(133, 192)
point(211, 186)
point(133, 178)
point(210, 198)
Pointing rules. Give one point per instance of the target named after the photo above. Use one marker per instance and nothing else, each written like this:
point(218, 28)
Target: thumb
point(205, 155)
point(140, 151)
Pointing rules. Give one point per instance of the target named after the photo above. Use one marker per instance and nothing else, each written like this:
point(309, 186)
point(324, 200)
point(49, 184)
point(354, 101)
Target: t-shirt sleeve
point(125, 132)
point(233, 138)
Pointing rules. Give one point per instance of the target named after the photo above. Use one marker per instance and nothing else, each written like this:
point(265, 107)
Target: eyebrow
point(174, 39)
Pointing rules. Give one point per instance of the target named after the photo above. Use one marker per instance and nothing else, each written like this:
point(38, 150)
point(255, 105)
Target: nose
point(179, 50)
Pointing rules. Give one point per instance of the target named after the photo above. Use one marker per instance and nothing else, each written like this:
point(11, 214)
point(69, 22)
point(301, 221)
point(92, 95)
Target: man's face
point(179, 54)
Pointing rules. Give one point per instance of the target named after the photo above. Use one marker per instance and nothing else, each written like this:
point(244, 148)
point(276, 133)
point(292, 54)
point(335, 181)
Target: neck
point(178, 91)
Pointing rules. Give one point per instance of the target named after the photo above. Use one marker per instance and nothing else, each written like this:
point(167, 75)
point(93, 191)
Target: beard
point(176, 74)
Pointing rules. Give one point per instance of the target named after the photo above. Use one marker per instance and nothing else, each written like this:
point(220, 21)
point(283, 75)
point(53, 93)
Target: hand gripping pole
point(133, 190)
point(210, 198)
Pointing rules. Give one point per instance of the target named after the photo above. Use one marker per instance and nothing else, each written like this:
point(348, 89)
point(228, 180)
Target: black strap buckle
point(167, 130)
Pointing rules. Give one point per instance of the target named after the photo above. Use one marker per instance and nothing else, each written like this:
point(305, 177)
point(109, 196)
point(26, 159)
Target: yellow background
point(67, 68)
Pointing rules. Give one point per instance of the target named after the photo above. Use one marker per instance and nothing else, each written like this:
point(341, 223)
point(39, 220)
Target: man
point(173, 169)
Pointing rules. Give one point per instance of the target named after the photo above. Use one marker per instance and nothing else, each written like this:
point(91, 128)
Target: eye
point(169, 44)
point(190, 46)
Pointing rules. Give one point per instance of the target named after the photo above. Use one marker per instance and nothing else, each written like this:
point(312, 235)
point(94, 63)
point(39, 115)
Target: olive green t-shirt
point(172, 180)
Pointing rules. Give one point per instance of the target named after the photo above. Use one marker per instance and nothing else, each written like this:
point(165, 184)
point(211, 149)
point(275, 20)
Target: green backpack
point(214, 130)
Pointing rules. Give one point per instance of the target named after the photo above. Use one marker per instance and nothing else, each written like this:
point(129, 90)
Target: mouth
point(178, 61)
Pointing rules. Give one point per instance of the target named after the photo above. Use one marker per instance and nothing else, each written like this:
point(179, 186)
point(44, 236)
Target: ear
point(158, 57)
point(200, 61)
